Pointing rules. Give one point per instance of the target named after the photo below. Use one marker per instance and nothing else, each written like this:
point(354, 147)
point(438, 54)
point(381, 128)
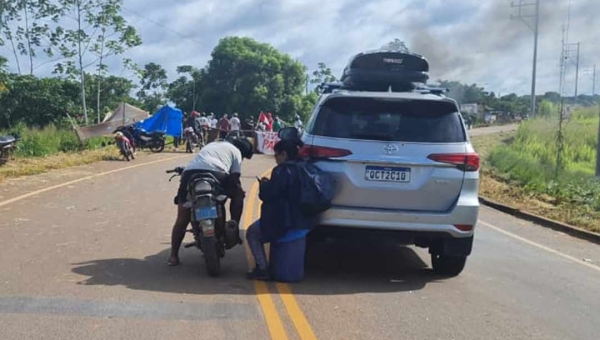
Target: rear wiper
point(374, 136)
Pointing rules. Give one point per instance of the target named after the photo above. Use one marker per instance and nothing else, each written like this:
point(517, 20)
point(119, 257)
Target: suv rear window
point(419, 121)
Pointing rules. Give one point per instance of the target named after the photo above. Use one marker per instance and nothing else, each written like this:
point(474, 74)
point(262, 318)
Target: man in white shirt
point(204, 126)
point(235, 125)
point(213, 121)
point(224, 161)
point(298, 123)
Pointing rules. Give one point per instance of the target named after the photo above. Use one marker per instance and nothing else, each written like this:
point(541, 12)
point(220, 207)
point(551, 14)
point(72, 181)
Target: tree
point(114, 38)
point(322, 75)
point(25, 25)
point(546, 108)
point(3, 64)
point(246, 76)
point(396, 45)
point(553, 97)
point(115, 91)
point(99, 30)
point(153, 86)
point(307, 105)
point(3, 77)
point(36, 101)
point(186, 91)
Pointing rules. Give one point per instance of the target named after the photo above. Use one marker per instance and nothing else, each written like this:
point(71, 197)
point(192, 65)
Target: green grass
point(50, 141)
point(527, 161)
point(40, 150)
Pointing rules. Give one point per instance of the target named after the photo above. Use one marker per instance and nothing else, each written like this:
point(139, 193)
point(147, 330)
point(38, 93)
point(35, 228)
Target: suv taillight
point(322, 152)
point(463, 161)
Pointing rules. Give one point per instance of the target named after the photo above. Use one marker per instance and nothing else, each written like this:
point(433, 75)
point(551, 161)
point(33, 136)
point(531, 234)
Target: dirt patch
point(18, 167)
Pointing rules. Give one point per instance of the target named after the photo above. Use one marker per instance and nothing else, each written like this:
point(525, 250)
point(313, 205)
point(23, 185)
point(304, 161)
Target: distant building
point(469, 109)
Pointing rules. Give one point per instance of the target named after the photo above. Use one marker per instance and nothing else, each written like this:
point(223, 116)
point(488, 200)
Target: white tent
point(124, 114)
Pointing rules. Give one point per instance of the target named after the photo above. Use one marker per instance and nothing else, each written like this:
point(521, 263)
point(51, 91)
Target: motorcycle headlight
point(203, 186)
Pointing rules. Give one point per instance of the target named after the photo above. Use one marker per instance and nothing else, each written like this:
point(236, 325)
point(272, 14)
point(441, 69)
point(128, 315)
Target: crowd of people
point(201, 124)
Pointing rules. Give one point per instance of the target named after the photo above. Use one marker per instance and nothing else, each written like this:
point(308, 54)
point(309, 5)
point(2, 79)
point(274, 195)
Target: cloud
point(471, 41)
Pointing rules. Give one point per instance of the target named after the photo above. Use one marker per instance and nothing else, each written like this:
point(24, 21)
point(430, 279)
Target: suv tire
point(446, 265)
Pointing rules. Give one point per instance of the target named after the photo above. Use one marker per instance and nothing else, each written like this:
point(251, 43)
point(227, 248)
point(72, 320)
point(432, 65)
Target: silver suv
point(403, 166)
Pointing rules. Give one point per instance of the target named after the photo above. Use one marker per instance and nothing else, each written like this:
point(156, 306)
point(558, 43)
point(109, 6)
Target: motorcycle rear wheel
point(211, 256)
point(157, 146)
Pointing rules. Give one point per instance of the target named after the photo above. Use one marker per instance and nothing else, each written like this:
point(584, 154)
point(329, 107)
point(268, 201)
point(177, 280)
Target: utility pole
point(571, 52)
point(306, 86)
point(598, 149)
point(577, 72)
point(594, 82)
point(535, 29)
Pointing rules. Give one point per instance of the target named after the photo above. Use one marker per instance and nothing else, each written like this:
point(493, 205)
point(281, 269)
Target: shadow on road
point(344, 267)
point(331, 268)
point(152, 274)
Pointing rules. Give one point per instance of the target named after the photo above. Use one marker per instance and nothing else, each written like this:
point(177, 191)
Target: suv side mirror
point(288, 133)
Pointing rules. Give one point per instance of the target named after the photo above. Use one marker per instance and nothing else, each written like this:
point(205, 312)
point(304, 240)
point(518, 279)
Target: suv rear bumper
point(418, 222)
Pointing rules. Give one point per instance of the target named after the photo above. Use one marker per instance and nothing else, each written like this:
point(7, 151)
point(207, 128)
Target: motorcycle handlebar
point(178, 170)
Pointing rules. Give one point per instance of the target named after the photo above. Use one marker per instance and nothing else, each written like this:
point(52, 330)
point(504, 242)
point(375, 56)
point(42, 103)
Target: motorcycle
point(155, 141)
point(125, 149)
point(191, 139)
point(7, 145)
point(212, 234)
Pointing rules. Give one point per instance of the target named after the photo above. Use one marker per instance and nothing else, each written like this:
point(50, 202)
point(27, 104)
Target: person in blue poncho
point(280, 211)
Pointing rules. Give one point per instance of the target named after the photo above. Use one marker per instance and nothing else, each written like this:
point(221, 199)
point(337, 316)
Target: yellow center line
point(274, 324)
point(291, 305)
point(302, 326)
point(37, 192)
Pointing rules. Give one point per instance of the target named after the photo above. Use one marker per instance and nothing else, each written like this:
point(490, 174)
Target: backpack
point(316, 191)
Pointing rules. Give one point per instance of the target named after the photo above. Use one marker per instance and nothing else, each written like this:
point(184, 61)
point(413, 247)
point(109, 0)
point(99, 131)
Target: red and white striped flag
point(262, 118)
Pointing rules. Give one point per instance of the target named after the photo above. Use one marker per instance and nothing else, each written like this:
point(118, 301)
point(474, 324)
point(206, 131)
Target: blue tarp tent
point(167, 119)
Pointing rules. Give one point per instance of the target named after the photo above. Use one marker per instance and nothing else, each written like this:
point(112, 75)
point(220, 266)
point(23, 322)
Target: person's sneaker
point(258, 274)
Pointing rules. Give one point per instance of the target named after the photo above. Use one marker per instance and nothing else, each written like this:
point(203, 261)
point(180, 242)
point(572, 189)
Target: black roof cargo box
point(378, 70)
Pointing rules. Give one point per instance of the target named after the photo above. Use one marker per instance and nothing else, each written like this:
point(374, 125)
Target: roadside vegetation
point(40, 150)
point(520, 169)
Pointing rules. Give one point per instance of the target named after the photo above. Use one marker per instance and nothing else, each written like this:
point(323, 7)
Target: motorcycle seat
point(151, 134)
point(6, 140)
point(209, 177)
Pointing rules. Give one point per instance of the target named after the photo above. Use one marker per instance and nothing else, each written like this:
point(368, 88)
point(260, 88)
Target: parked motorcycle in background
point(7, 145)
point(155, 141)
point(212, 234)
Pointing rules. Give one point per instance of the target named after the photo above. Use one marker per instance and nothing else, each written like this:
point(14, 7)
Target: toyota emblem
point(390, 149)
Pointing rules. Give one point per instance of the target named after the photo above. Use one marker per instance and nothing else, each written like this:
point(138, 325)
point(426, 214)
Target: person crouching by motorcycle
point(224, 161)
point(280, 212)
point(124, 145)
point(191, 139)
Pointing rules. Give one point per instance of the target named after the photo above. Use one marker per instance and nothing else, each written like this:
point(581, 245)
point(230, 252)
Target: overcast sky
point(471, 41)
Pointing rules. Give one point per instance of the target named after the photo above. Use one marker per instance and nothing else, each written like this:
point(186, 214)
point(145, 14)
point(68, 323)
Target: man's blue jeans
point(256, 246)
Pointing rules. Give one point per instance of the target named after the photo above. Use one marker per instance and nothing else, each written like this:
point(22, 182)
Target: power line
point(161, 25)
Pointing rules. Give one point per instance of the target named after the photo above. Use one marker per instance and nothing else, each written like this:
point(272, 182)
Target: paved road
point(86, 261)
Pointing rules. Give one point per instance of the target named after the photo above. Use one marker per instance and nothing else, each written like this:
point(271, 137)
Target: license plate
point(387, 174)
point(206, 213)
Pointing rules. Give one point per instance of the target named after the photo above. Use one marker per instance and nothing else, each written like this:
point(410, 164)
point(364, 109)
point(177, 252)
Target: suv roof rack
point(381, 69)
point(385, 70)
point(416, 88)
